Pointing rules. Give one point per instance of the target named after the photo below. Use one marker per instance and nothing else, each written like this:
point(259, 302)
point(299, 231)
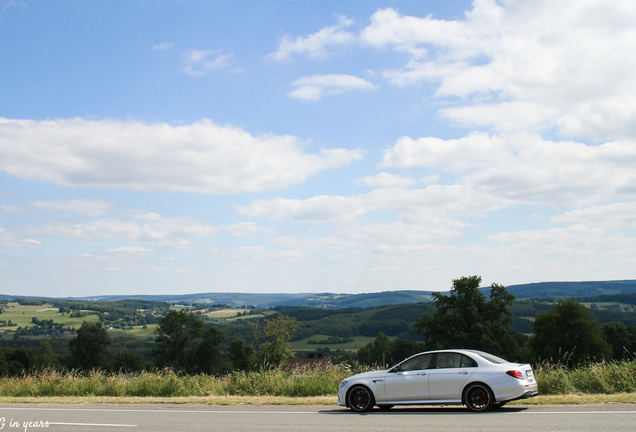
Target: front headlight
point(343, 383)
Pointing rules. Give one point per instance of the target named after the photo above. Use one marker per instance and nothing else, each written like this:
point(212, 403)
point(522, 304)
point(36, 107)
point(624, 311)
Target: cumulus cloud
point(443, 200)
point(314, 45)
point(611, 216)
point(85, 206)
point(542, 65)
point(383, 180)
point(512, 64)
point(454, 155)
point(200, 62)
point(129, 249)
point(111, 229)
point(201, 157)
point(180, 244)
point(526, 169)
point(316, 87)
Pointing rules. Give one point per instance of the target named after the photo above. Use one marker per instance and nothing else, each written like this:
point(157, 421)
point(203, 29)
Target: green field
point(137, 332)
point(22, 316)
point(358, 342)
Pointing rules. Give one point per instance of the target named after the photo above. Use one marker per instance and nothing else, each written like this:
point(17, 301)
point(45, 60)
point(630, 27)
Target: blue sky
point(284, 146)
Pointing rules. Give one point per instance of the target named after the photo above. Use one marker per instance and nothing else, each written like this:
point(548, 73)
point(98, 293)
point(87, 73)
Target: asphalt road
point(191, 418)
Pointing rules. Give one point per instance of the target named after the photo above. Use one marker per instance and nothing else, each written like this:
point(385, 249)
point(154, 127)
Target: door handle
point(421, 373)
point(463, 372)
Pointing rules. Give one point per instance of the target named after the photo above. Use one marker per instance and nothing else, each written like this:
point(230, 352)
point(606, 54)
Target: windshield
point(491, 358)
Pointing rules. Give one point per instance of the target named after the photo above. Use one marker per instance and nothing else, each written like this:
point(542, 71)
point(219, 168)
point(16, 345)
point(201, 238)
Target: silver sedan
point(479, 380)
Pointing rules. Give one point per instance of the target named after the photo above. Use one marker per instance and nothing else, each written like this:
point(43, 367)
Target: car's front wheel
point(360, 399)
point(479, 398)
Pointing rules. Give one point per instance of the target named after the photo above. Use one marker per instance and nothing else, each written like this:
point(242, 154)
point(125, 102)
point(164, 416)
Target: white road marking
point(92, 424)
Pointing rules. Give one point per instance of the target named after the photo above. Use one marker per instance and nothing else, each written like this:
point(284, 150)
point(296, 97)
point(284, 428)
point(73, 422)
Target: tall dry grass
point(166, 383)
point(553, 379)
point(596, 378)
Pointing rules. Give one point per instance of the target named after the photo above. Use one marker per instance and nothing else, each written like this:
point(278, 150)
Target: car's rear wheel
point(479, 398)
point(360, 399)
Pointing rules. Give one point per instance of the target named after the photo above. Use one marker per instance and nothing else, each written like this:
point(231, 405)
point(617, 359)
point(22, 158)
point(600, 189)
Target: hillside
point(368, 300)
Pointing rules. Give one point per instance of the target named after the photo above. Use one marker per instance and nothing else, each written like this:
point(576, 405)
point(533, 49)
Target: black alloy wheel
point(479, 398)
point(360, 399)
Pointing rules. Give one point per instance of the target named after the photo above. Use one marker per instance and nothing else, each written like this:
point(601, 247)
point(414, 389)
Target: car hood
point(374, 374)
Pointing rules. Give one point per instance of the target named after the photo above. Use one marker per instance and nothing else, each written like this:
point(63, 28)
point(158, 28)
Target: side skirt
point(425, 402)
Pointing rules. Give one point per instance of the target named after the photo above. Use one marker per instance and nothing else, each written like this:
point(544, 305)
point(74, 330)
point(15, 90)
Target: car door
point(447, 378)
point(409, 380)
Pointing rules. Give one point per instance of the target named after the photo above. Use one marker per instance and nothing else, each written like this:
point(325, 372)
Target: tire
point(385, 407)
point(360, 399)
point(479, 398)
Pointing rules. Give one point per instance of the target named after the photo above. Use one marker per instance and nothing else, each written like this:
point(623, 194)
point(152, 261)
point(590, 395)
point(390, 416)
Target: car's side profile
point(479, 380)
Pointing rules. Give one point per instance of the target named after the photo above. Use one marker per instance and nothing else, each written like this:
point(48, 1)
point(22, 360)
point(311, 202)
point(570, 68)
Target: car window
point(491, 358)
point(467, 362)
point(416, 363)
point(454, 360)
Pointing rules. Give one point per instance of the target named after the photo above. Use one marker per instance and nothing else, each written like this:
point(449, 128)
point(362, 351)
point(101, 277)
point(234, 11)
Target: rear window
point(491, 358)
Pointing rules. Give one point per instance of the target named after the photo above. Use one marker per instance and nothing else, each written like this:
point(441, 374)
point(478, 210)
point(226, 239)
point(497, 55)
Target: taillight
point(515, 374)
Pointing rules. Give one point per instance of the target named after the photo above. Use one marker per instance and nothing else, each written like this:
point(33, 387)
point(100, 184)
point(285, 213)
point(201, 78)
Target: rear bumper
point(527, 395)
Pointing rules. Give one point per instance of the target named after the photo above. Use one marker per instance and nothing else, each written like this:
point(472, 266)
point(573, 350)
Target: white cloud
point(163, 46)
point(13, 4)
point(129, 249)
point(526, 169)
point(7, 242)
point(198, 62)
point(564, 63)
point(504, 116)
point(383, 180)
point(12, 209)
point(201, 157)
point(85, 206)
point(316, 87)
point(314, 45)
point(513, 64)
point(181, 245)
point(440, 200)
point(243, 229)
point(611, 216)
point(478, 149)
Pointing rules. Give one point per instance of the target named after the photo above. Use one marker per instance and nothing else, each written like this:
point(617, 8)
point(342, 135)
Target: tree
point(404, 348)
point(209, 359)
point(376, 352)
point(621, 338)
point(276, 349)
point(466, 319)
point(240, 352)
point(568, 334)
point(89, 349)
point(184, 345)
point(129, 361)
point(174, 344)
point(46, 359)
